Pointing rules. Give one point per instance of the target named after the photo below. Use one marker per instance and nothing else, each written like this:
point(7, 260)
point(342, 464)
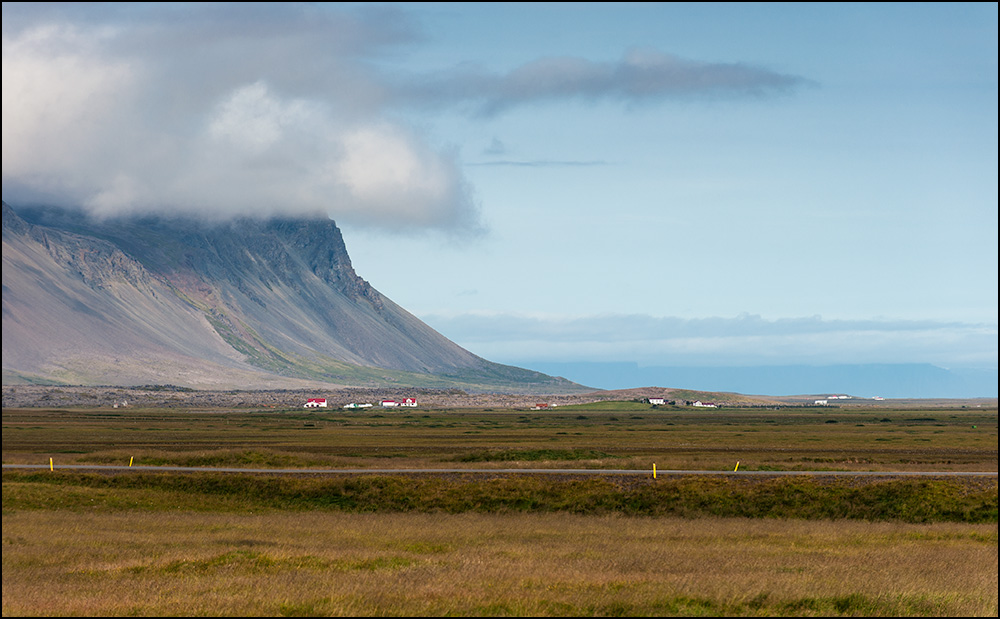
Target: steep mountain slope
point(246, 303)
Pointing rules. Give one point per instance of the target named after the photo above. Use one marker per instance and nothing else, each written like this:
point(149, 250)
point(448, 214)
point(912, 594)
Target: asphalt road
point(650, 472)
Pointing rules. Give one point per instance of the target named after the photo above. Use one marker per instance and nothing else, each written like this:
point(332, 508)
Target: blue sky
point(669, 184)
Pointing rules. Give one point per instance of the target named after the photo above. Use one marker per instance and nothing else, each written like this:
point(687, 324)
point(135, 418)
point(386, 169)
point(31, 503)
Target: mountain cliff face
point(239, 304)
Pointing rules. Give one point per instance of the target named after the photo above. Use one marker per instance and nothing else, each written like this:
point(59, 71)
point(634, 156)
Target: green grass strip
point(968, 500)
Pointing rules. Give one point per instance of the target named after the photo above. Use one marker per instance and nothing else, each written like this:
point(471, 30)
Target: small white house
point(656, 401)
point(821, 402)
point(410, 402)
point(353, 405)
point(704, 404)
point(389, 403)
point(316, 403)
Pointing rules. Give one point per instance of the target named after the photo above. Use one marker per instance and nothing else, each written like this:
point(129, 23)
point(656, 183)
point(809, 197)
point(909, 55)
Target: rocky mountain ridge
point(247, 303)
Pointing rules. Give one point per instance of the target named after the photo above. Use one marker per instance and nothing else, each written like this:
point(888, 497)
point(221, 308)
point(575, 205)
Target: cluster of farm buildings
point(698, 403)
point(826, 401)
point(322, 403)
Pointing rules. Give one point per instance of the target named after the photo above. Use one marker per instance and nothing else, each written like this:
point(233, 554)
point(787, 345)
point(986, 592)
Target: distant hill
point(243, 304)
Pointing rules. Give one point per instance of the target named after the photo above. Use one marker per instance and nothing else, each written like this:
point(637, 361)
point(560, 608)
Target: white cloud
point(62, 96)
point(271, 112)
point(253, 119)
point(270, 108)
point(386, 170)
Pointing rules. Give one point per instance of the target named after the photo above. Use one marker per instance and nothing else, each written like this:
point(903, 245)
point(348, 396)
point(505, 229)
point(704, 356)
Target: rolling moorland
point(488, 542)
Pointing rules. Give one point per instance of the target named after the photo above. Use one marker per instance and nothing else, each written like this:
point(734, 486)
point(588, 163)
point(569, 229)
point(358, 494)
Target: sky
point(668, 184)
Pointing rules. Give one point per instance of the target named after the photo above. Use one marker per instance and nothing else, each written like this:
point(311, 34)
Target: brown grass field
point(123, 544)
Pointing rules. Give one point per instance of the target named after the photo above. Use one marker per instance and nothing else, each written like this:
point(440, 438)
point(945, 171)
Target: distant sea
point(915, 380)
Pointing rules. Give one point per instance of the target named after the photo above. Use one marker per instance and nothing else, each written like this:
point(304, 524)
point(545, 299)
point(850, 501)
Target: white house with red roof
point(316, 403)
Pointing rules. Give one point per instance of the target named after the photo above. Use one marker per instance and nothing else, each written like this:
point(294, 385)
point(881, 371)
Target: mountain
point(248, 303)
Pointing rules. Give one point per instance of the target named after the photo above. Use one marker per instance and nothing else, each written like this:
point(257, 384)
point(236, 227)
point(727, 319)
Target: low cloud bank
point(745, 340)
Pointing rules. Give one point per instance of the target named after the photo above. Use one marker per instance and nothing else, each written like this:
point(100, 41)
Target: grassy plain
point(619, 435)
point(131, 543)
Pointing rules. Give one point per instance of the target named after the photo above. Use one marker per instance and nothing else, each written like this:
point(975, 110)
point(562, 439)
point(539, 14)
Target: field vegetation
point(616, 435)
point(479, 540)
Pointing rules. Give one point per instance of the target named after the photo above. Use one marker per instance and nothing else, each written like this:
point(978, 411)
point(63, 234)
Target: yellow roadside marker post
point(737, 466)
point(654, 471)
point(130, 460)
point(51, 467)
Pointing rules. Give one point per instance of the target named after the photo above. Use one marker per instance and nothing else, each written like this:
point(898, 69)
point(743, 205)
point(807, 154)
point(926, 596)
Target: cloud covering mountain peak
point(273, 114)
point(275, 109)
